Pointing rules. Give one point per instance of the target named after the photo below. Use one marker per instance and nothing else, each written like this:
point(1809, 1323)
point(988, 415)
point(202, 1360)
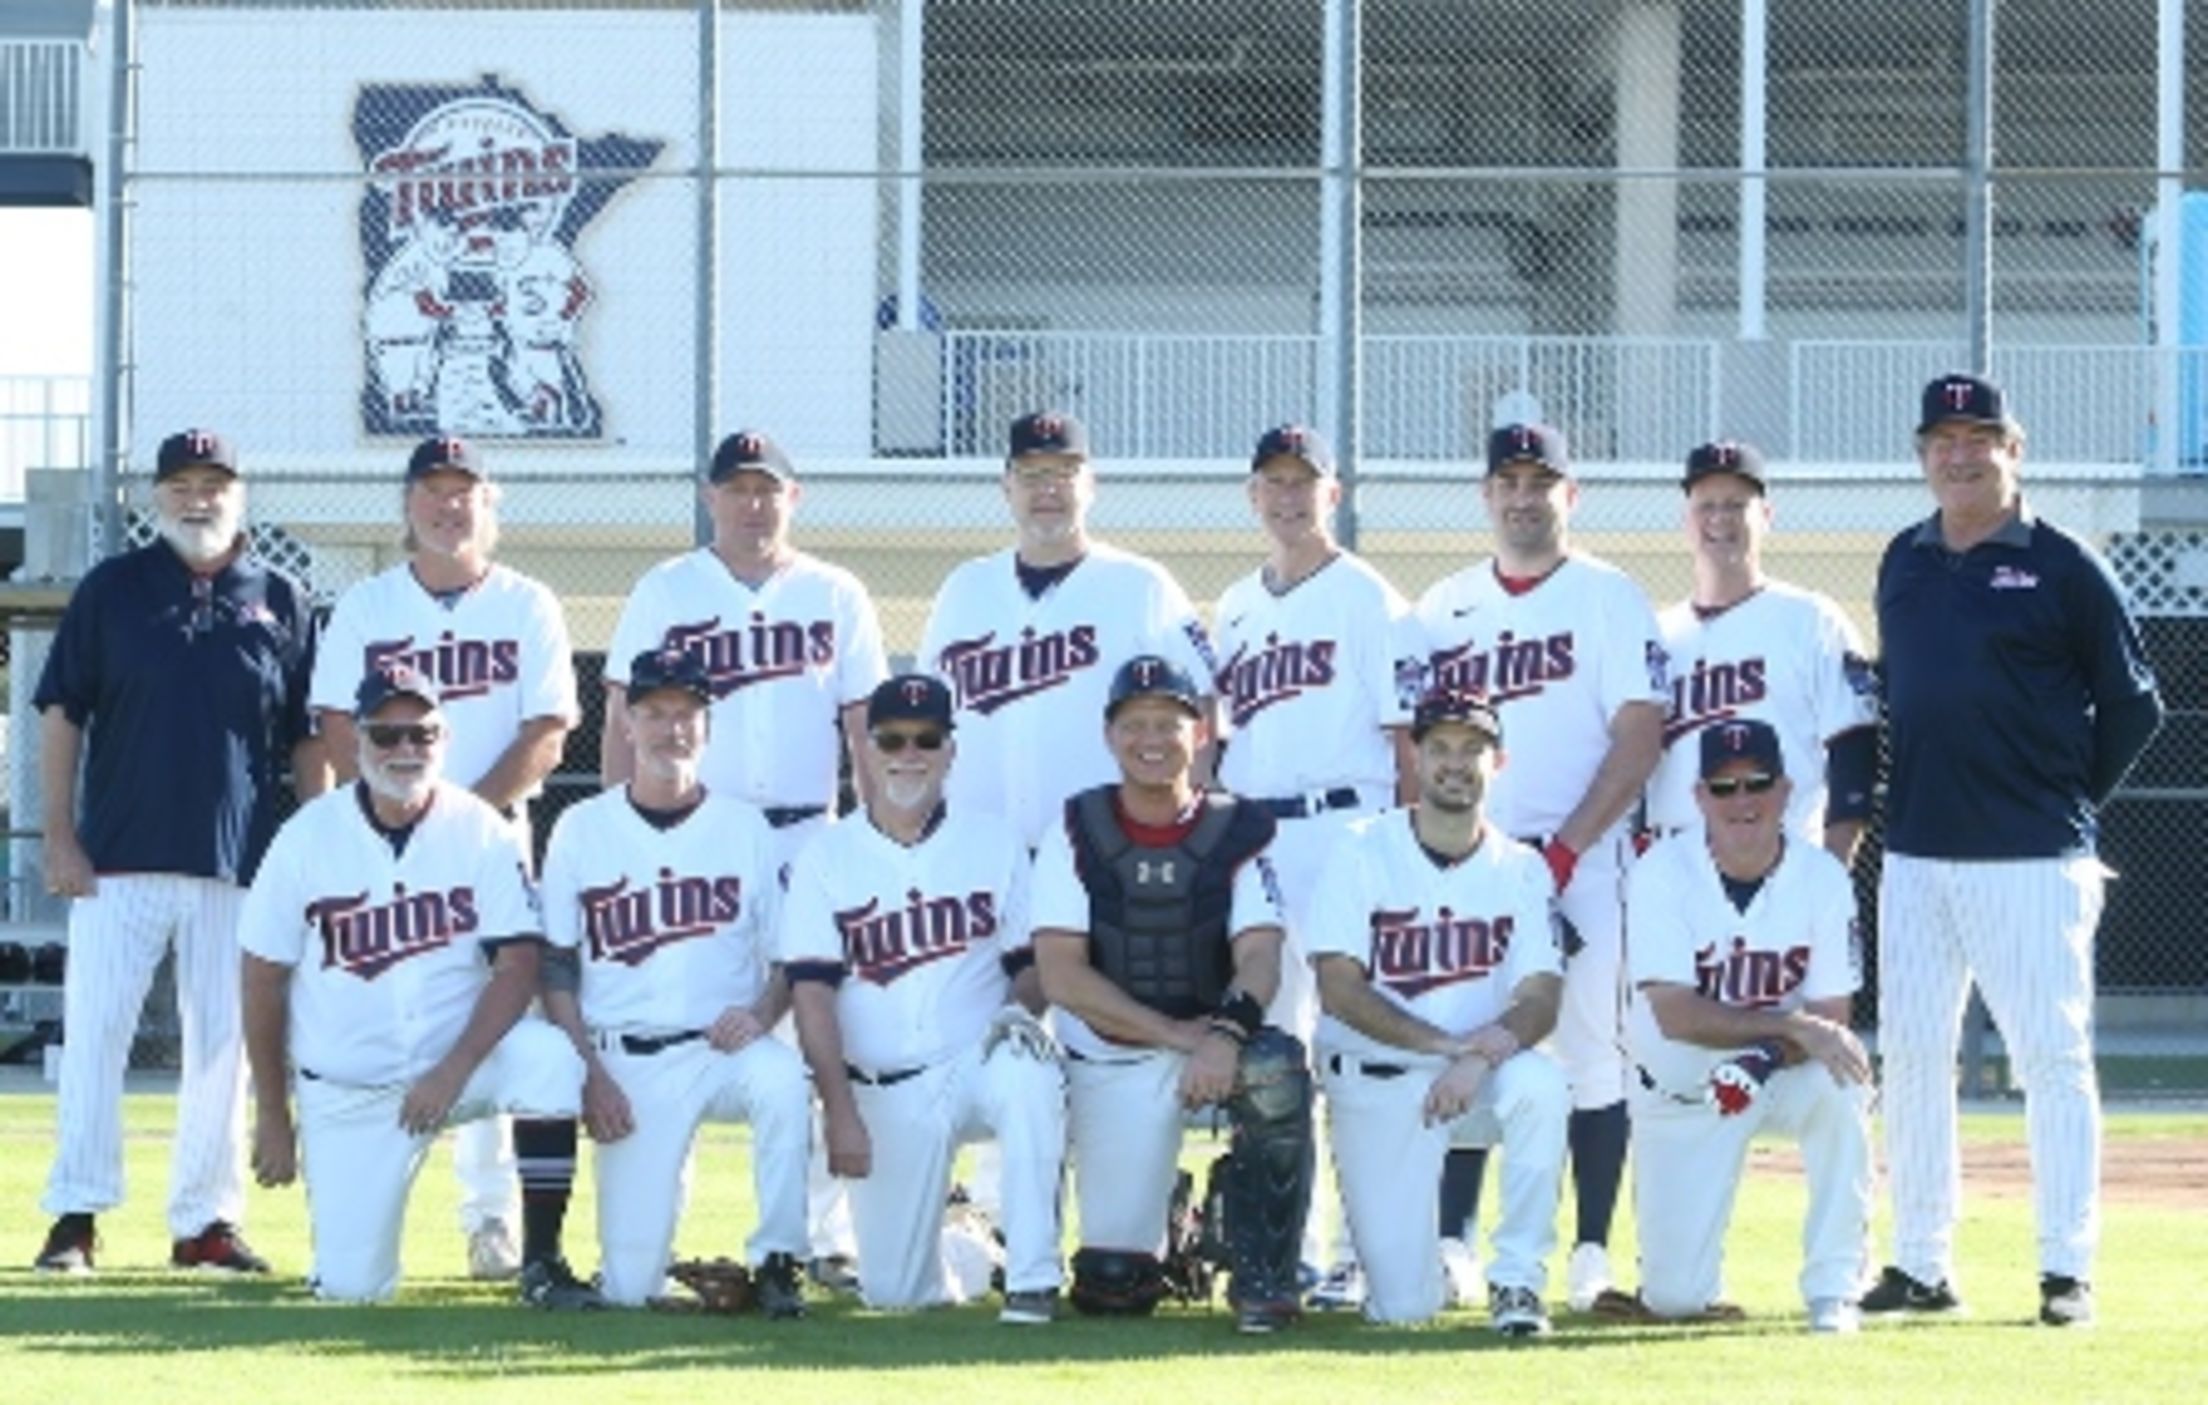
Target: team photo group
point(1526, 870)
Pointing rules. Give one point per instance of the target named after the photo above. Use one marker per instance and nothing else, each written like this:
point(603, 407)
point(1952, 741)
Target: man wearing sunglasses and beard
point(1742, 944)
point(391, 949)
point(906, 943)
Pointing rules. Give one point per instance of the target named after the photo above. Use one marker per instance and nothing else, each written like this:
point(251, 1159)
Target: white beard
point(406, 791)
point(200, 542)
point(905, 792)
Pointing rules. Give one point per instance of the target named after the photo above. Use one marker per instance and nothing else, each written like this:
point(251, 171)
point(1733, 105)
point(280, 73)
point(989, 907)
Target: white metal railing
point(41, 96)
point(45, 422)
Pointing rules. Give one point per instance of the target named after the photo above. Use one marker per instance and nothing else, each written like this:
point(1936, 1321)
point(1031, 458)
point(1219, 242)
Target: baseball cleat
point(834, 1273)
point(1030, 1308)
point(550, 1284)
point(218, 1247)
point(2065, 1301)
point(1516, 1312)
point(1460, 1273)
point(1342, 1290)
point(1836, 1315)
point(780, 1294)
point(70, 1246)
point(1586, 1275)
point(493, 1256)
point(1260, 1317)
point(1896, 1291)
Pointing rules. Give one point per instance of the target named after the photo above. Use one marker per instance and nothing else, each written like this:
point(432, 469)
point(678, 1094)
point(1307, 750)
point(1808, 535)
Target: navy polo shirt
point(1994, 661)
point(192, 691)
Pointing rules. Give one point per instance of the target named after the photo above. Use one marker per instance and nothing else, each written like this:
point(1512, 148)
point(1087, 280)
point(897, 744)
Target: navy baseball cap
point(1048, 432)
point(383, 684)
point(678, 669)
point(1725, 456)
point(192, 448)
point(444, 451)
point(1295, 441)
point(1959, 395)
point(911, 697)
point(1539, 443)
point(748, 449)
point(1465, 705)
point(1149, 676)
point(1741, 739)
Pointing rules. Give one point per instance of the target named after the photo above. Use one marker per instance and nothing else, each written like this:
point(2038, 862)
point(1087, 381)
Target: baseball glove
point(1023, 1033)
point(721, 1286)
point(1611, 1305)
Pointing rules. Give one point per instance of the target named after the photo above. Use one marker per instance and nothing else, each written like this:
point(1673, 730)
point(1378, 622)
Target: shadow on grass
point(464, 1331)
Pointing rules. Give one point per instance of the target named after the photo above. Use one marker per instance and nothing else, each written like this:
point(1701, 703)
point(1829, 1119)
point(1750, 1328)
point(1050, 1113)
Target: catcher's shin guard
point(1267, 1190)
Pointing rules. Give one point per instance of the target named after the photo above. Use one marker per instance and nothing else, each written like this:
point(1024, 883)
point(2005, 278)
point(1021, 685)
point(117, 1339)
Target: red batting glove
point(1563, 860)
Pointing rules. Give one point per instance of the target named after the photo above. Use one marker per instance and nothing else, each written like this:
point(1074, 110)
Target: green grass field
point(137, 1332)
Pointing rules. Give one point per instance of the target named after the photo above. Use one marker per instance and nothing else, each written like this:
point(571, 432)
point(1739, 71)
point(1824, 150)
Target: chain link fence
point(596, 236)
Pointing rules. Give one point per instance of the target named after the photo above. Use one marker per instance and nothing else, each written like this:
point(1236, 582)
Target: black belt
point(884, 1080)
point(1335, 1063)
point(644, 1046)
point(1302, 807)
point(783, 816)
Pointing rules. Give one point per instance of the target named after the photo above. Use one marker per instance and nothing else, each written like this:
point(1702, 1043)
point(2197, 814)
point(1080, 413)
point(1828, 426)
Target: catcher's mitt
point(720, 1286)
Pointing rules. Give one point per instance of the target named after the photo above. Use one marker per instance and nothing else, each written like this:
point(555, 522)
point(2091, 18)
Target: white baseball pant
point(483, 1150)
point(1590, 1022)
point(1127, 1120)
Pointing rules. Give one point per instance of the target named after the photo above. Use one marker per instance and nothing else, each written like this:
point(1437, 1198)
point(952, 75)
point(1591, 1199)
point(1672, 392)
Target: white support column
point(2168, 232)
point(1645, 255)
point(1755, 58)
point(911, 53)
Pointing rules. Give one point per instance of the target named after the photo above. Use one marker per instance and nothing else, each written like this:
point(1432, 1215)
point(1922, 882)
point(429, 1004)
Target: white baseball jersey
point(499, 656)
point(785, 657)
point(673, 926)
point(1447, 943)
point(1784, 655)
point(1030, 676)
point(1558, 661)
point(387, 949)
point(1060, 902)
point(920, 932)
point(1795, 943)
point(1307, 681)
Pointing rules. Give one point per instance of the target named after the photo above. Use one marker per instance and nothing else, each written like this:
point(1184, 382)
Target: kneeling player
point(1158, 935)
point(905, 933)
point(1741, 942)
point(391, 948)
point(1439, 967)
point(660, 902)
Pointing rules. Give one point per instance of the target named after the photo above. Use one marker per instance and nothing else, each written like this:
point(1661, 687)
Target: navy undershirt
point(1035, 580)
point(664, 820)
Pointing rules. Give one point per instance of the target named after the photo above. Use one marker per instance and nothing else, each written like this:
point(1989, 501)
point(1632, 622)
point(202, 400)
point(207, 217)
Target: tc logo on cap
point(1959, 394)
point(916, 691)
point(199, 441)
point(1733, 736)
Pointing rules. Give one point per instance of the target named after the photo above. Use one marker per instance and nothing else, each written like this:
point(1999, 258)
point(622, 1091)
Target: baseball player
point(1567, 649)
point(391, 947)
point(1440, 966)
point(659, 905)
point(179, 676)
point(1307, 647)
point(2017, 696)
point(494, 643)
point(906, 942)
point(1157, 932)
point(1741, 938)
point(1028, 637)
point(1745, 645)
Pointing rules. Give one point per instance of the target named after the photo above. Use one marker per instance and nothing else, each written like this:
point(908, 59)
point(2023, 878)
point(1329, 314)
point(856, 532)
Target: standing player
point(1742, 943)
point(2018, 694)
point(1439, 967)
point(179, 673)
point(1745, 645)
point(1028, 637)
point(1567, 648)
point(1158, 937)
point(391, 947)
point(493, 642)
point(659, 903)
point(906, 937)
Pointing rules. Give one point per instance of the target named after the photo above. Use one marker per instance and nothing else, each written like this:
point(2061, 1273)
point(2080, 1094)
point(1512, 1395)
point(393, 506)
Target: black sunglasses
point(1731, 786)
point(894, 742)
point(387, 735)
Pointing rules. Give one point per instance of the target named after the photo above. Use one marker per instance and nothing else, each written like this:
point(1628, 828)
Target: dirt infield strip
point(2162, 1172)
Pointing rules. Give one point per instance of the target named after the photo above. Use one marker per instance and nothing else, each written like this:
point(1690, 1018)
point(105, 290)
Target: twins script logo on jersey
point(627, 924)
point(881, 946)
point(986, 675)
point(1712, 693)
point(461, 668)
point(757, 652)
point(1513, 668)
point(1747, 978)
point(1274, 674)
point(1411, 957)
point(367, 940)
point(473, 301)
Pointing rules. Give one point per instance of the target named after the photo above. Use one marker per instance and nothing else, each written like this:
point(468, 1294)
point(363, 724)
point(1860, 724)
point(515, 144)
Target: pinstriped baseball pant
point(2023, 929)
